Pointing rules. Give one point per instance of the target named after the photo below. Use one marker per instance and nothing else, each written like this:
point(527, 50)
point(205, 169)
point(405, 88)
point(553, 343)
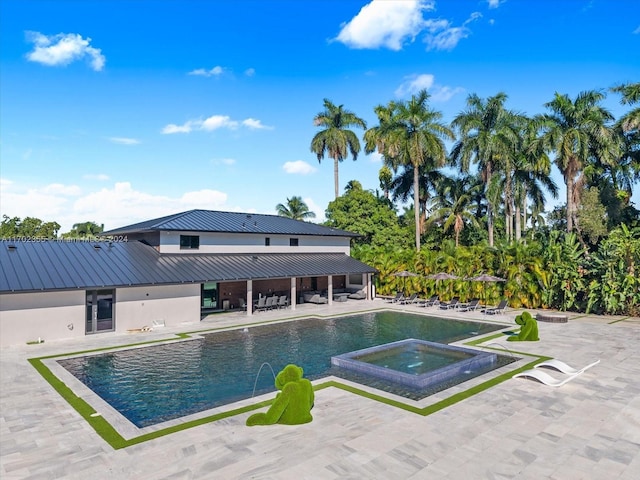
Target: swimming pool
point(158, 383)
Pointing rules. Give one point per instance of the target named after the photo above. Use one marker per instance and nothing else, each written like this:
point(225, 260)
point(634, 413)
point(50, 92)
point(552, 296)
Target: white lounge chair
point(545, 378)
point(563, 367)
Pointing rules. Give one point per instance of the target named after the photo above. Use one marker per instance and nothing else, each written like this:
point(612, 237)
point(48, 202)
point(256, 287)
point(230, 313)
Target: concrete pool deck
point(587, 429)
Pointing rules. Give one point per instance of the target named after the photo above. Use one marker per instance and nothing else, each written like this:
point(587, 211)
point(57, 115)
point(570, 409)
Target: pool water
point(157, 383)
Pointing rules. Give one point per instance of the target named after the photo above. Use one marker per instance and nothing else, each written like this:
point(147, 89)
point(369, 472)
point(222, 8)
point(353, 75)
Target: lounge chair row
point(271, 303)
point(454, 303)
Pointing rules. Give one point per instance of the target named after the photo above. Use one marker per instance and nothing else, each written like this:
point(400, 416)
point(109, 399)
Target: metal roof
point(230, 222)
point(63, 265)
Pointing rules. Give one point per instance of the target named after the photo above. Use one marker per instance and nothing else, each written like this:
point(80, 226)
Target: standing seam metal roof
point(61, 265)
point(230, 222)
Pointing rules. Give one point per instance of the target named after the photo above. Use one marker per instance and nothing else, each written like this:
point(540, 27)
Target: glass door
point(209, 296)
point(99, 309)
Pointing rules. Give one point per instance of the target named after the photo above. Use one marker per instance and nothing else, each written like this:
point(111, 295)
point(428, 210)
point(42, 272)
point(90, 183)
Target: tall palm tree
point(453, 205)
point(488, 136)
point(336, 140)
point(410, 134)
point(295, 208)
point(531, 174)
point(428, 181)
point(574, 131)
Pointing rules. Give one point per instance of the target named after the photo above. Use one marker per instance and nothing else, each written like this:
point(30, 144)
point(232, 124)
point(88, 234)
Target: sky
point(121, 111)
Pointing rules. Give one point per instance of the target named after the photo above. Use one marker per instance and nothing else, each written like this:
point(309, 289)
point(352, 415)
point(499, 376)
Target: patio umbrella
point(404, 274)
point(442, 276)
point(485, 277)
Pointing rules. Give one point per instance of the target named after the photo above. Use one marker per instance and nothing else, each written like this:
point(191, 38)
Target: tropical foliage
point(295, 208)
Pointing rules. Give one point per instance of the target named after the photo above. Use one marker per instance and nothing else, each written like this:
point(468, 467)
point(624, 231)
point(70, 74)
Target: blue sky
point(121, 111)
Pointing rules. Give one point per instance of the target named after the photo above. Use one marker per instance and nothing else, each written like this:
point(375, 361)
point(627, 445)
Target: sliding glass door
point(100, 312)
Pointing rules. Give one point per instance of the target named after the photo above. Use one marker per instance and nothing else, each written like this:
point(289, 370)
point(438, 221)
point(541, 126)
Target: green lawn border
point(110, 435)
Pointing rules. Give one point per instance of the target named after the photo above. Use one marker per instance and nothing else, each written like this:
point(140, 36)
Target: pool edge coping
point(117, 441)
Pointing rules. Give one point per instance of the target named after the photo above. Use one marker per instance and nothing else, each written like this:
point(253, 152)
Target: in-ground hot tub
point(415, 363)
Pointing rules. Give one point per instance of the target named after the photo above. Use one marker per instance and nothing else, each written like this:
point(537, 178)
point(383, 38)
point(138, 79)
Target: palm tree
point(428, 180)
point(295, 209)
point(86, 229)
point(489, 137)
point(336, 140)
point(531, 174)
point(630, 96)
point(575, 130)
point(454, 205)
point(410, 134)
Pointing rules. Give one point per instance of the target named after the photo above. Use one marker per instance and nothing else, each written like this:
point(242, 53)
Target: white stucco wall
point(49, 315)
point(173, 305)
point(243, 243)
point(61, 315)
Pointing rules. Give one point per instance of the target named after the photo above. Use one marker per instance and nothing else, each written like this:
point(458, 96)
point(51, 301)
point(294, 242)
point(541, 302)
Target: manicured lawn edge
point(110, 435)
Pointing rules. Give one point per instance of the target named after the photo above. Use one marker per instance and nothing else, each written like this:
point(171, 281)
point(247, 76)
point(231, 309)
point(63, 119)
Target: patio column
point(330, 289)
point(249, 297)
point(294, 294)
point(368, 283)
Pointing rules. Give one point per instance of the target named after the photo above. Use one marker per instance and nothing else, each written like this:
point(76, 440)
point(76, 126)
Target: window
point(293, 242)
point(355, 279)
point(189, 242)
point(267, 241)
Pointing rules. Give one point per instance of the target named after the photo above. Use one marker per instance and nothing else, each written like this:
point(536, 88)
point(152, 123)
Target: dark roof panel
point(230, 222)
point(61, 265)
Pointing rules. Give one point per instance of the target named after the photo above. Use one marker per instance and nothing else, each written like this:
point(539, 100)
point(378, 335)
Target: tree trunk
point(335, 176)
point(416, 205)
point(570, 207)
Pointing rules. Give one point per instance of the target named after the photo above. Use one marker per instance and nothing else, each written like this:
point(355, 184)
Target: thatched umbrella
point(404, 274)
point(485, 277)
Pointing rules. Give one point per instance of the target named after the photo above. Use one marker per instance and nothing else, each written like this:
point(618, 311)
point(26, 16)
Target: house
point(170, 271)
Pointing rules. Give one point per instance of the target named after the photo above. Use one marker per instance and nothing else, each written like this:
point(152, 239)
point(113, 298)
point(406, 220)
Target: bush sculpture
point(528, 329)
point(292, 405)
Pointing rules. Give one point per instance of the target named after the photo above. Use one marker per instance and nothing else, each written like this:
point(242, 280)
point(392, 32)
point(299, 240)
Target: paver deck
point(587, 429)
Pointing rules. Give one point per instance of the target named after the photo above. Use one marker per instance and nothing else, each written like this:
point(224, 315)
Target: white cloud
point(383, 23)
point(637, 31)
point(255, 124)
point(213, 72)
point(375, 157)
point(414, 83)
point(442, 36)
point(319, 211)
point(97, 176)
point(298, 167)
point(444, 93)
point(214, 122)
point(62, 49)
point(124, 140)
point(224, 161)
point(250, 72)
point(495, 3)
point(115, 207)
point(60, 189)
point(122, 205)
point(173, 128)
